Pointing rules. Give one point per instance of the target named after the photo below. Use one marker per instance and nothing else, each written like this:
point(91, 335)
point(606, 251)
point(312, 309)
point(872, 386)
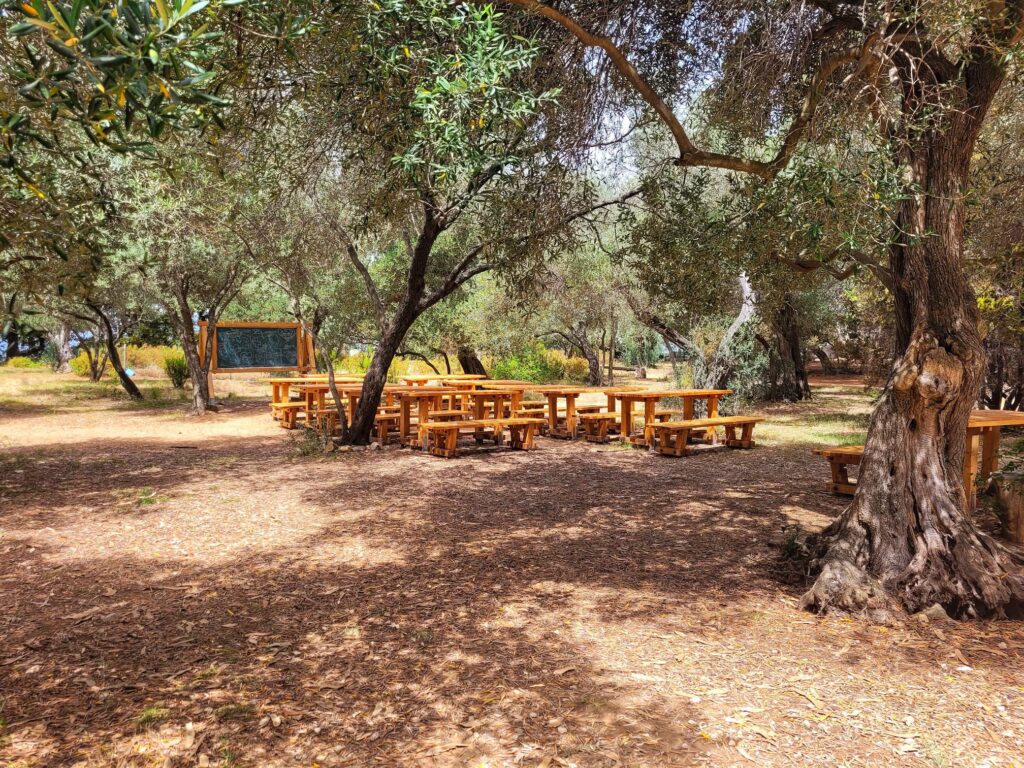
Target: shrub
point(576, 370)
point(24, 362)
point(80, 365)
point(541, 365)
point(176, 369)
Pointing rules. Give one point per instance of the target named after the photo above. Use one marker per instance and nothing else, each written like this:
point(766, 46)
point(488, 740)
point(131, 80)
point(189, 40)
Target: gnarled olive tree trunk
point(908, 540)
point(792, 381)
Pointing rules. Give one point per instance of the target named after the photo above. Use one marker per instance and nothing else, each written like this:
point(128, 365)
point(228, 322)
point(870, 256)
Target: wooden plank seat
point(441, 438)
point(839, 459)
point(596, 426)
point(287, 412)
point(673, 437)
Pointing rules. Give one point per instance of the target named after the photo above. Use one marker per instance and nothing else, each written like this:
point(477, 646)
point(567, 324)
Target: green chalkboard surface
point(257, 348)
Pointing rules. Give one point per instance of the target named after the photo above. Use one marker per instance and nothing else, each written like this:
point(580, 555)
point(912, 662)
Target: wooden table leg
point(570, 415)
point(353, 403)
point(479, 404)
point(687, 408)
point(650, 407)
point(971, 467)
point(553, 414)
point(423, 415)
point(989, 452)
point(404, 420)
point(626, 418)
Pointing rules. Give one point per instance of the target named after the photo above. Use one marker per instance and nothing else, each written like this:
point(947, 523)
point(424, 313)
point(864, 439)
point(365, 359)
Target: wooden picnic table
point(423, 399)
point(650, 398)
point(496, 399)
point(981, 454)
point(280, 387)
point(983, 430)
point(423, 380)
point(569, 394)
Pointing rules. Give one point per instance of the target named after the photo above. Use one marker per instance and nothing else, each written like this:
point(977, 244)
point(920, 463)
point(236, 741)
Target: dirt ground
point(178, 591)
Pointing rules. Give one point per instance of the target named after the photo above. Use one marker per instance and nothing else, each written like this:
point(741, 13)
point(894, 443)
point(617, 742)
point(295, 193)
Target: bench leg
point(529, 441)
point(841, 484)
point(516, 438)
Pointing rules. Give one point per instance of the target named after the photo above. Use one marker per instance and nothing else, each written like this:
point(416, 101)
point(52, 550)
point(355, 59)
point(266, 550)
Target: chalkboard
point(257, 348)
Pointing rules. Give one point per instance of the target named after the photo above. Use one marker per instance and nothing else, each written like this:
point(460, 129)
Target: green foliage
point(542, 366)
point(640, 348)
point(79, 365)
point(794, 545)
point(176, 368)
point(454, 63)
point(24, 362)
point(101, 65)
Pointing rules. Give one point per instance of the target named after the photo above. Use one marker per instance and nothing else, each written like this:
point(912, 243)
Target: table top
point(983, 418)
point(312, 379)
point(483, 393)
point(446, 377)
point(424, 392)
point(560, 391)
point(658, 394)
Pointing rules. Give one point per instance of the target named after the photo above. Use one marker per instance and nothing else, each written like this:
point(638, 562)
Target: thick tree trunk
point(361, 430)
point(12, 340)
point(469, 362)
point(578, 336)
point(61, 340)
point(793, 384)
point(907, 540)
point(827, 367)
point(718, 371)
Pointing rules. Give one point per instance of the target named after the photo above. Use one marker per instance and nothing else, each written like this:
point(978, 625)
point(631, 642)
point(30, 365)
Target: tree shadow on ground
point(408, 611)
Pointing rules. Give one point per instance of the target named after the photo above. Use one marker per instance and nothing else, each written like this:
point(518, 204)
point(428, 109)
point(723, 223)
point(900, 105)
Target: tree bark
point(61, 340)
point(110, 339)
point(578, 335)
point(908, 540)
point(827, 367)
point(793, 384)
point(393, 333)
point(361, 430)
point(198, 369)
point(719, 369)
point(469, 362)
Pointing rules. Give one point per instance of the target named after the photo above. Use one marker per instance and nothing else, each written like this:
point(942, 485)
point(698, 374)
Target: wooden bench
point(385, 422)
point(596, 426)
point(287, 412)
point(674, 436)
point(441, 438)
point(561, 420)
point(839, 459)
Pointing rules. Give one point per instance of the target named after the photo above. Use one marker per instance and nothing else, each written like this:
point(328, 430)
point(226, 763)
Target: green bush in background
point(542, 366)
point(176, 369)
point(24, 362)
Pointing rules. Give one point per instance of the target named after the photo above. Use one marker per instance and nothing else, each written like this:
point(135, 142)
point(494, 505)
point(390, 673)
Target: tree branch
point(689, 154)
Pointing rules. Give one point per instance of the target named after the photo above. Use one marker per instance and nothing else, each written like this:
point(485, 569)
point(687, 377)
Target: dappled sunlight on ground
point(177, 589)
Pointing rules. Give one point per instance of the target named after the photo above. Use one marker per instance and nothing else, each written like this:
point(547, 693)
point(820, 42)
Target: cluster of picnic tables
point(433, 411)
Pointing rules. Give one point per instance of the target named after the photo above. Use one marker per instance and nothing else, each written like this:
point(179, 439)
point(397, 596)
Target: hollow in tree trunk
point(907, 540)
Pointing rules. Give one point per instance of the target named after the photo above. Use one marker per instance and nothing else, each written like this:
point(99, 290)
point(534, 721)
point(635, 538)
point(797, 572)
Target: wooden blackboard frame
point(303, 345)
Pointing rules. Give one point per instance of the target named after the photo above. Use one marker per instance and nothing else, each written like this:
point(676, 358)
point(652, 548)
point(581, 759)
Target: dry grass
point(176, 590)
